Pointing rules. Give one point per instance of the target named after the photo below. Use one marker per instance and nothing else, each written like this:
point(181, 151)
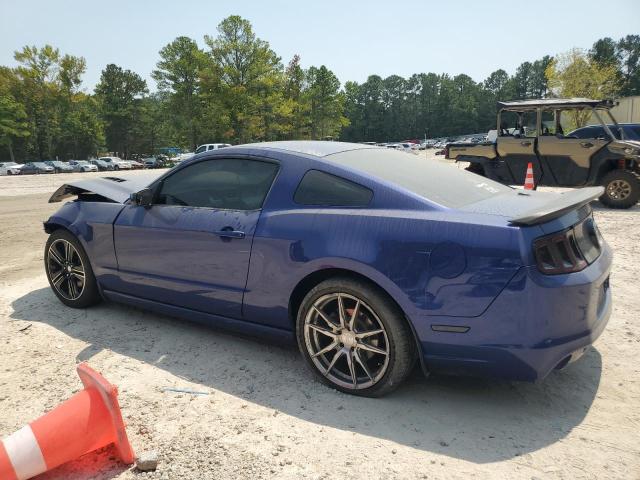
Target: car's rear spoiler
point(562, 204)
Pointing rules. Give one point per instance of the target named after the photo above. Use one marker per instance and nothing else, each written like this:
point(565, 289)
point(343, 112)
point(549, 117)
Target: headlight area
point(570, 250)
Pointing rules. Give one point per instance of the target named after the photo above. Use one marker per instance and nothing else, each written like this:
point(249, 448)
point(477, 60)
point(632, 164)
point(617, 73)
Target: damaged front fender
point(111, 189)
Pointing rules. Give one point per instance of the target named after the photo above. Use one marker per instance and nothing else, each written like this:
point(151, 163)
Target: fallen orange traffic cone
point(529, 183)
point(89, 420)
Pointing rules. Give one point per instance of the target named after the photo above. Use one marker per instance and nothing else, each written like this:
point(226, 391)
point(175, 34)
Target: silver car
point(82, 166)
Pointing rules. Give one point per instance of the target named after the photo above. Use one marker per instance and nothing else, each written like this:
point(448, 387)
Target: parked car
point(211, 146)
point(437, 269)
point(157, 162)
point(630, 131)
point(59, 167)
point(82, 166)
point(611, 160)
point(184, 156)
point(117, 162)
point(102, 165)
point(35, 168)
point(10, 168)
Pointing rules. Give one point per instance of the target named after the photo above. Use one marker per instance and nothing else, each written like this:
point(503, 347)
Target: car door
point(569, 159)
point(191, 248)
point(517, 152)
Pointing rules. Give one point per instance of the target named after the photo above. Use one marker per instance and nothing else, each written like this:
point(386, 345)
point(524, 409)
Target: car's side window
point(231, 184)
point(323, 189)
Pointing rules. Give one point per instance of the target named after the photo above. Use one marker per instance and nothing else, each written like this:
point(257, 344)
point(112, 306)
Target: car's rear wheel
point(354, 338)
point(69, 271)
point(621, 189)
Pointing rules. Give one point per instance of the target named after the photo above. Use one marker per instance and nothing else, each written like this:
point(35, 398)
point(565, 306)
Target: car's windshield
point(82, 162)
point(431, 179)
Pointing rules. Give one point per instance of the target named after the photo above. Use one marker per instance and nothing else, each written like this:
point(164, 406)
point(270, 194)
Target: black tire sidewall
point(627, 176)
point(401, 347)
point(90, 295)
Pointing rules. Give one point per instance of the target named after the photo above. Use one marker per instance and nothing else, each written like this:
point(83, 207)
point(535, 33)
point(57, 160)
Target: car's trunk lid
point(526, 207)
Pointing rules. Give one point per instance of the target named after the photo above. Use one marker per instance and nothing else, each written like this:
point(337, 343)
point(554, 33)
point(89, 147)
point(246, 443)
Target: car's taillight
point(570, 250)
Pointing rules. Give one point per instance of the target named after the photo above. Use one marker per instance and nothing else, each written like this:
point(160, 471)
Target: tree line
point(236, 89)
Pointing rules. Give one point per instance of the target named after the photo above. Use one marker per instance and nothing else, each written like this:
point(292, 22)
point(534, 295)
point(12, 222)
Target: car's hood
point(112, 188)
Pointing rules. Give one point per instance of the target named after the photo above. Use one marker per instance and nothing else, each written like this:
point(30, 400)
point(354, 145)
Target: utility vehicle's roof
point(517, 105)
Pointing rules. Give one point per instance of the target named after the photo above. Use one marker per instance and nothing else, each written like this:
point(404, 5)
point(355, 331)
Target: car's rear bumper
point(538, 323)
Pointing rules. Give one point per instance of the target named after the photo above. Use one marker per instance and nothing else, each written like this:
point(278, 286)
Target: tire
point(116, 167)
point(621, 189)
point(338, 355)
point(64, 266)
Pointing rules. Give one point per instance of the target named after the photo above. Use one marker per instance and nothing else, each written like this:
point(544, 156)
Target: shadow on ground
point(476, 420)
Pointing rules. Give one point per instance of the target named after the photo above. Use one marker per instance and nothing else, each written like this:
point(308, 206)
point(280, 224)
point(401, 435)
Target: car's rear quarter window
point(323, 189)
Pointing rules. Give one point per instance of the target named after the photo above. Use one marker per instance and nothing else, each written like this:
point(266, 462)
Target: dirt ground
point(262, 414)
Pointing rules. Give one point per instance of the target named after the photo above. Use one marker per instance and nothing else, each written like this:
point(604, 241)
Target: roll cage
point(520, 108)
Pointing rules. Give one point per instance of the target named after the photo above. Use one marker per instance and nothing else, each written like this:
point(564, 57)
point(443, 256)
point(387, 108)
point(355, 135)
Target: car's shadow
point(476, 420)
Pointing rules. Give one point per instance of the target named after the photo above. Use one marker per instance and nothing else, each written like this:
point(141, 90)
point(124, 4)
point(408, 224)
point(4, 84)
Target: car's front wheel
point(69, 271)
point(621, 189)
point(354, 337)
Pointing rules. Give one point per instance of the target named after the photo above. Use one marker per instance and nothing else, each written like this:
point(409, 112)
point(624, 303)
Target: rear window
point(323, 189)
point(431, 179)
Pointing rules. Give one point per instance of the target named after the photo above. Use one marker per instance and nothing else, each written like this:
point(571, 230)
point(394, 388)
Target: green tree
point(575, 74)
point(37, 72)
point(178, 74)
point(13, 118)
point(326, 103)
point(294, 88)
point(628, 53)
point(604, 52)
point(119, 95)
point(246, 69)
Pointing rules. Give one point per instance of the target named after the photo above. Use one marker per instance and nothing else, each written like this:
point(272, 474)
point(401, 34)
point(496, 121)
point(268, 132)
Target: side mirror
point(144, 197)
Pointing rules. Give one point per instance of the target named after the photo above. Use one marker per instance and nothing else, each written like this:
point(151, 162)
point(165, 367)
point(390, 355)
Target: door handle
point(526, 143)
point(228, 232)
point(586, 144)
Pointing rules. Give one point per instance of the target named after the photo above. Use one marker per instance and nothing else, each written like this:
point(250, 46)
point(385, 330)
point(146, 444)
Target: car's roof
point(315, 148)
point(554, 103)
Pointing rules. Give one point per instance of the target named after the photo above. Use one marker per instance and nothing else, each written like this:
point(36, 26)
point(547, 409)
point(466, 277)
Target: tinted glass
point(632, 132)
point(322, 189)
point(231, 184)
point(201, 149)
point(430, 179)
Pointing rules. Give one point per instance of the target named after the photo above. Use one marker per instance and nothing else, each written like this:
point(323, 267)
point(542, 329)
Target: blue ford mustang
point(370, 258)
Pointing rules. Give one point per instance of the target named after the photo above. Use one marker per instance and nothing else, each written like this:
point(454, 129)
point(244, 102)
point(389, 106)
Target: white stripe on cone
point(24, 453)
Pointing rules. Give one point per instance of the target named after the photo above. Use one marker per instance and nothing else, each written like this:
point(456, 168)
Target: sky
point(352, 38)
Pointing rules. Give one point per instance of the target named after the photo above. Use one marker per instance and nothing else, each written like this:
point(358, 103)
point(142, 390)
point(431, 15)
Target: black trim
point(450, 328)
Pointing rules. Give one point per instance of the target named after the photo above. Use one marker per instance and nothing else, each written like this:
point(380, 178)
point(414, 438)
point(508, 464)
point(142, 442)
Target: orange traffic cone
point(529, 183)
point(87, 421)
